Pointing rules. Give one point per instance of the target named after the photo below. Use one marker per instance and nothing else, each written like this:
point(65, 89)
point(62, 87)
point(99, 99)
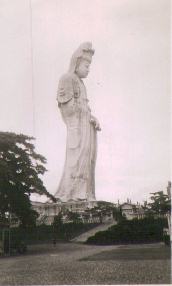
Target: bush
point(48, 233)
point(145, 230)
point(68, 231)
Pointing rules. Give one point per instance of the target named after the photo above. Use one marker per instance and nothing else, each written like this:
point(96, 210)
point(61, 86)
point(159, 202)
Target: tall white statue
point(78, 179)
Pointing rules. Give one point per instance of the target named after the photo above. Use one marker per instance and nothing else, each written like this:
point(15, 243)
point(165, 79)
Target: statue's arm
point(65, 96)
point(95, 122)
point(65, 89)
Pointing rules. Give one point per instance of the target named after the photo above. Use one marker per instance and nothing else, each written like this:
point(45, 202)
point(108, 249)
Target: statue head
point(81, 60)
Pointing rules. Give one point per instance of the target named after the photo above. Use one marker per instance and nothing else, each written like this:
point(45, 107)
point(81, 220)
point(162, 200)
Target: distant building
point(131, 211)
point(47, 211)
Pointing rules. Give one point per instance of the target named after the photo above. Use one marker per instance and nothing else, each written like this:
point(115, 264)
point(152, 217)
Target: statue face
point(83, 69)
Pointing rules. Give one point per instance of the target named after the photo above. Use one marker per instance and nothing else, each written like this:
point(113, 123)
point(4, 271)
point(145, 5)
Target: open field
point(72, 263)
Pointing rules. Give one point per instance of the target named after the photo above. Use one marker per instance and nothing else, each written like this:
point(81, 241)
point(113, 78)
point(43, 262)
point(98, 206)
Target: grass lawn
point(80, 264)
point(131, 253)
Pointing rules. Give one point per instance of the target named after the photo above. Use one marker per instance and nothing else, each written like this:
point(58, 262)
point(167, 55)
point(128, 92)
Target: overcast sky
point(128, 85)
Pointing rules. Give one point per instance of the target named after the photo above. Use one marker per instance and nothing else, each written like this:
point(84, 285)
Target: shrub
point(145, 230)
point(48, 233)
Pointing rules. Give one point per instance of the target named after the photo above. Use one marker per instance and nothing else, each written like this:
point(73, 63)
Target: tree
point(73, 216)
point(57, 226)
point(20, 170)
point(117, 214)
point(104, 208)
point(58, 221)
point(160, 203)
point(147, 209)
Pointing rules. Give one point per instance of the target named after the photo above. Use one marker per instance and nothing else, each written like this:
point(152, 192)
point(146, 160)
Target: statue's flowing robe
point(78, 178)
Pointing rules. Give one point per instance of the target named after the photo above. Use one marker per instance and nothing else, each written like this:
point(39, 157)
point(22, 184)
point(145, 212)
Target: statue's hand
point(95, 122)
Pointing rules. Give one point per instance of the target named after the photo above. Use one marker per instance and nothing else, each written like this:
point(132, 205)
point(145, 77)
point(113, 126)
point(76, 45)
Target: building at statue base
point(86, 210)
point(47, 211)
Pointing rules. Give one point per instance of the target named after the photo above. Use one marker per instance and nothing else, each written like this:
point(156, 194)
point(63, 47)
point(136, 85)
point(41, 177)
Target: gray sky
point(128, 85)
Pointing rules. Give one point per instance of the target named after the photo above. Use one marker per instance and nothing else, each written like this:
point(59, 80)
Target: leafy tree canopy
point(73, 216)
point(103, 208)
point(20, 170)
point(160, 204)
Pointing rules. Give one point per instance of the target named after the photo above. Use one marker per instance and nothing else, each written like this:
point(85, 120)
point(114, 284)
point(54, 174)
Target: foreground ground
point(72, 263)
